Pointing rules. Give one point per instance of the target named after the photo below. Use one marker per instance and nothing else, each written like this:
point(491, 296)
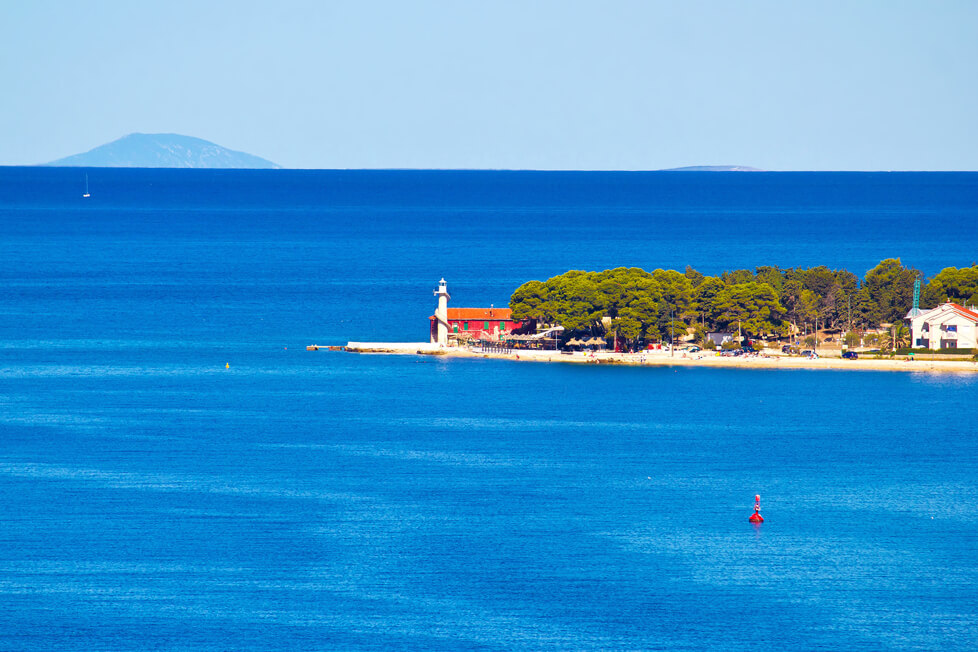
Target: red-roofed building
point(476, 323)
point(948, 326)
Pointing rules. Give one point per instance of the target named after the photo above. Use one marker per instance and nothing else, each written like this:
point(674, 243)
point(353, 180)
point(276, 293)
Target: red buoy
point(756, 516)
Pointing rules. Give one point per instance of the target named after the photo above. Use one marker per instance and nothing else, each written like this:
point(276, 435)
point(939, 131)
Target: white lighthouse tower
point(441, 315)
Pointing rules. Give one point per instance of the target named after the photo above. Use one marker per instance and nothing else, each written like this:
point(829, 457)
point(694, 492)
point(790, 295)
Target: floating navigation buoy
point(227, 365)
point(756, 516)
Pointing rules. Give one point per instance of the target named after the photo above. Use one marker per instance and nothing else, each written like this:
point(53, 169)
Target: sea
point(178, 472)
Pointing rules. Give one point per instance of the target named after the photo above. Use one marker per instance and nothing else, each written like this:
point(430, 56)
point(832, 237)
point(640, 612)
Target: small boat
point(87, 194)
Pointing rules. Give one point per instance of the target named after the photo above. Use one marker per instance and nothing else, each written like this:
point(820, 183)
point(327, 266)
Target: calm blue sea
point(151, 498)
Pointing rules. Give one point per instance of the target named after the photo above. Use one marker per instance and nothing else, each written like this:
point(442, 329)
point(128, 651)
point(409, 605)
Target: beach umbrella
point(575, 342)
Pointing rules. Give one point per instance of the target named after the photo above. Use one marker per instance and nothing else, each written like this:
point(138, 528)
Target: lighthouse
point(441, 314)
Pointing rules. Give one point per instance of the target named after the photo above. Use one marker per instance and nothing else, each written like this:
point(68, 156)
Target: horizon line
point(684, 169)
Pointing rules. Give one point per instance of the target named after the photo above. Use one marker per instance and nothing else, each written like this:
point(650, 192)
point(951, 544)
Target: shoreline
point(663, 359)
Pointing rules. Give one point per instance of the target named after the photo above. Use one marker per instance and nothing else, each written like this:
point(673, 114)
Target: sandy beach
point(663, 358)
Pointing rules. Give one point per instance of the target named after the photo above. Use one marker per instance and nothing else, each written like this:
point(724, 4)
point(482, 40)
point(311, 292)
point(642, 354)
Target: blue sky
point(526, 85)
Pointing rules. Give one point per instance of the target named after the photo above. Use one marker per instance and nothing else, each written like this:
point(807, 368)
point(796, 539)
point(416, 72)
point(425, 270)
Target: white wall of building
point(945, 326)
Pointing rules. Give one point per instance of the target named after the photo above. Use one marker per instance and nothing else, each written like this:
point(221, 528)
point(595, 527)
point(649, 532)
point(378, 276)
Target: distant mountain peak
point(713, 168)
point(162, 151)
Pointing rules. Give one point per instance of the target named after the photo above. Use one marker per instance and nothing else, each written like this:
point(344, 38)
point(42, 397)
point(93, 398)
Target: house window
point(485, 325)
point(952, 329)
point(456, 327)
point(465, 326)
point(926, 328)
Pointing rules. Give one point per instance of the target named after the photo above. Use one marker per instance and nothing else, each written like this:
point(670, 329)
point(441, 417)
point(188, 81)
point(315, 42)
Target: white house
point(948, 326)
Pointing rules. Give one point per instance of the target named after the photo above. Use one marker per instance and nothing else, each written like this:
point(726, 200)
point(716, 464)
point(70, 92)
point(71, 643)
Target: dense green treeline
point(641, 305)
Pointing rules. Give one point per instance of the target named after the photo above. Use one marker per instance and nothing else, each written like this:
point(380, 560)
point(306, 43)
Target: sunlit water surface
point(151, 498)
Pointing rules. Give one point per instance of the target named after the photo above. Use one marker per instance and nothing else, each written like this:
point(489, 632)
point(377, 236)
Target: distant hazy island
point(177, 151)
point(713, 168)
point(163, 151)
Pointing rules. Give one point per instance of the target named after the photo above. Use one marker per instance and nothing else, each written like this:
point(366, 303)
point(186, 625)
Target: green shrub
point(906, 351)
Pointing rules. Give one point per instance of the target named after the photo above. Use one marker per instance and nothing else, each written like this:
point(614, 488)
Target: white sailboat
point(87, 194)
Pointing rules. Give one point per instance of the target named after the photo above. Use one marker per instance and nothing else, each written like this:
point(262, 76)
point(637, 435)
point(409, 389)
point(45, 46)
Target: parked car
point(850, 355)
point(787, 348)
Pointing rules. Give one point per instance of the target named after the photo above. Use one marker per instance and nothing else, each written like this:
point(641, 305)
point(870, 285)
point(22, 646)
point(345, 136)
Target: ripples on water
point(152, 498)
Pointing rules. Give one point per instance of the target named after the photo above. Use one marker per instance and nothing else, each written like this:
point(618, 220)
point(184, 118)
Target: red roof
point(495, 314)
point(961, 309)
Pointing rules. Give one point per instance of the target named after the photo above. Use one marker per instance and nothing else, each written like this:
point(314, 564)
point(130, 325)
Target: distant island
point(163, 151)
point(713, 168)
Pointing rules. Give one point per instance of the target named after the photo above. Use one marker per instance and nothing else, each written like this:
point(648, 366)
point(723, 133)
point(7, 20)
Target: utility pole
point(815, 348)
point(848, 320)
